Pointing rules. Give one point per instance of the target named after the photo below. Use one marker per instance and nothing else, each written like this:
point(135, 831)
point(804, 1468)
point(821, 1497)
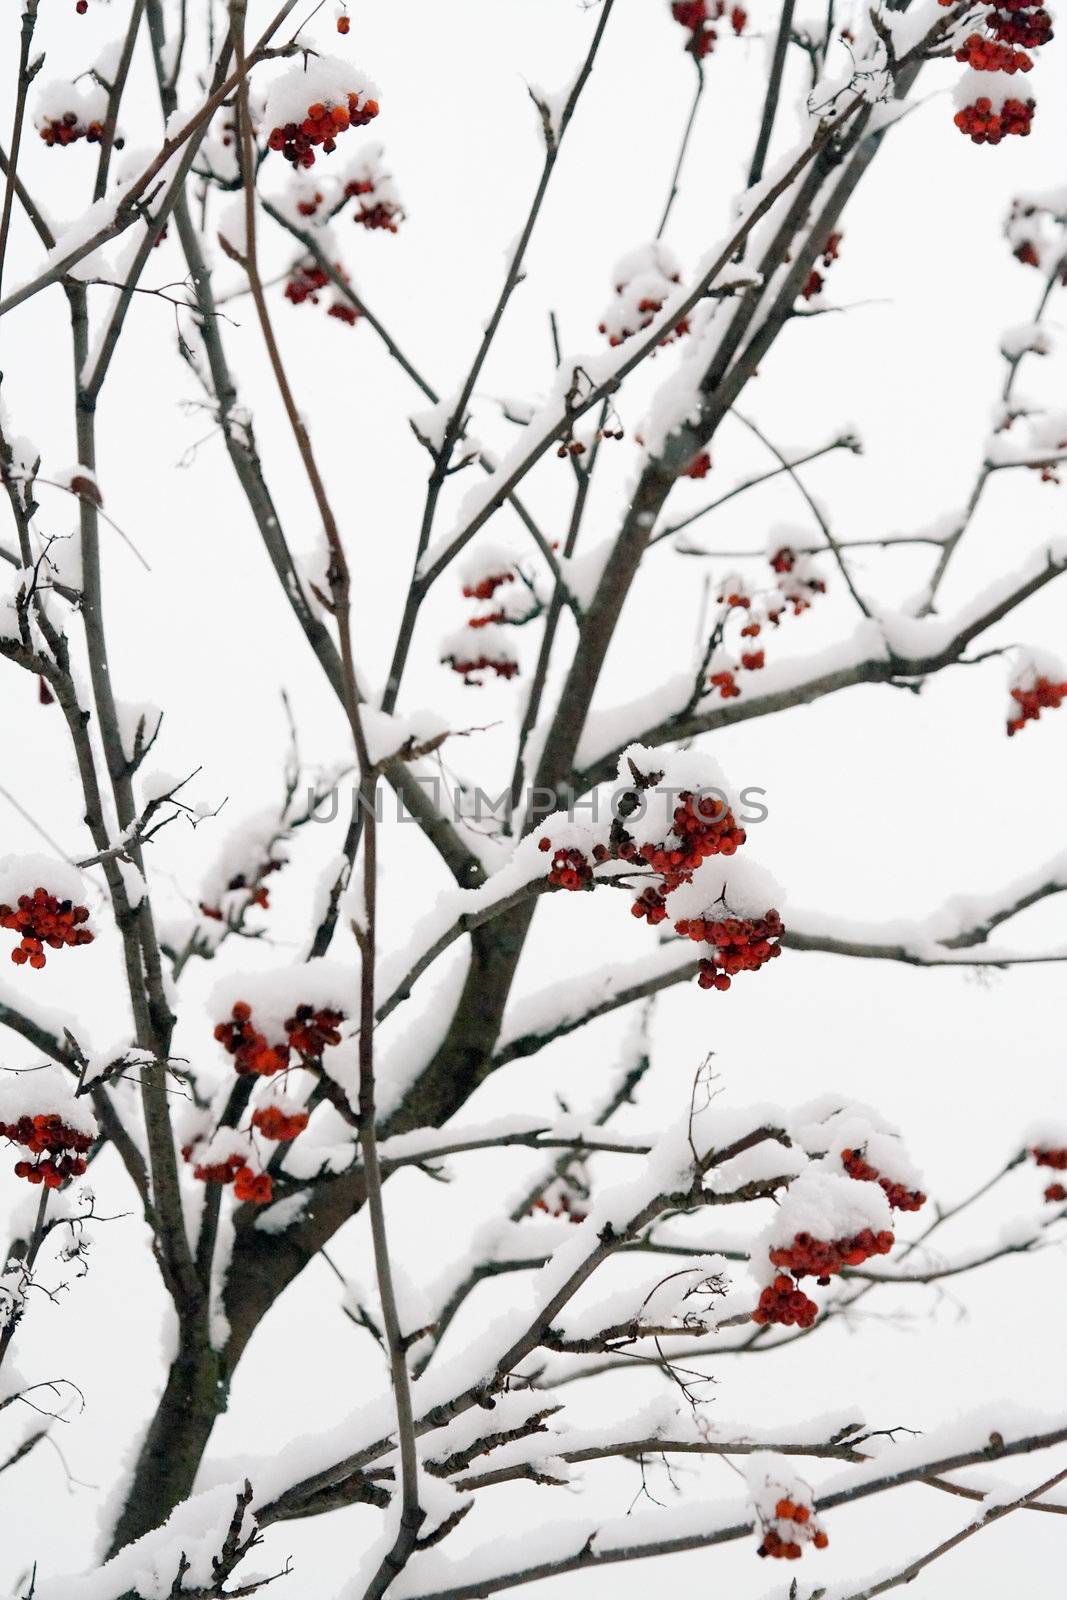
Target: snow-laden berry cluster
point(310, 106)
point(698, 17)
point(1038, 683)
point(39, 1112)
point(39, 902)
point(644, 280)
point(785, 1509)
point(990, 107)
point(483, 645)
point(748, 610)
point(677, 823)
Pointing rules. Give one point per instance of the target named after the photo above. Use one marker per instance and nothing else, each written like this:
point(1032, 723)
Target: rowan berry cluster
point(59, 1150)
point(1055, 1192)
point(40, 919)
point(697, 17)
point(306, 281)
point(68, 129)
point(814, 281)
point(368, 182)
point(1041, 694)
point(741, 944)
point(794, 1526)
point(258, 893)
point(1020, 22)
point(570, 868)
point(310, 1031)
point(726, 683)
point(249, 1048)
point(1054, 1158)
point(561, 1200)
point(644, 280)
point(985, 125)
point(322, 125)
point(485, 588)
point(469, 665)
point(278, 1125)
point(987, 115)
point(248, 1184)
point(782, 1302)
point(700, 466)
point(900, 1197)
point(822, 1258)
point(989, 55)
point(795, 583)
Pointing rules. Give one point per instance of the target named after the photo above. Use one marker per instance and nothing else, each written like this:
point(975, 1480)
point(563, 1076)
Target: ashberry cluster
point(570, 869)
point(40, 919)
point(782, 1302)
point(814, 281)
point(1031, 698)
point(644, 280)
point(697, 17)
point(900, 1197)
point(367, 181)
point(249, 1047)
point(59, 1150)
point(309, 1030)
point(248, 1184)
point(822, 1258)
point(741, 944)
point(278, 1125)
point(987, 114)
point(68, 129)
point(322, 124)
point(794, 1526)
point(482, 646)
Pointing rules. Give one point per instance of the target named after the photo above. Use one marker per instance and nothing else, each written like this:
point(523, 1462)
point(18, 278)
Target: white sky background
point(881, 803)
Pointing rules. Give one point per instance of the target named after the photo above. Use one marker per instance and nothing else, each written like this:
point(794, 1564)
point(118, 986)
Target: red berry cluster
point(1020, 22)
point(822, 1258)
point(1045, 1156)
point(570, 869)
point(322, 125)
point(40, 919)
point(788, 1549)
point(309, 1031)
point(741, 944)
point(305, 282)
point(469, 665)
point(645, 280)
point(259, 894)
point(564, 1206)
point(1016, 27)
point(216, 1171)
point(255, 1187)
point(989, 55)
point(782, 1302)
point(1042, 695)
point(485, 588)
point(47, 1136)
point(814, 281)
point(697, 16)
point(986, 126)
point(700, 466)
point(249, 1047)
point(281, 1126)
point(68, 129)
point(726, 683)
point(795, 584)
point(379, 209)
point(900, 1198)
